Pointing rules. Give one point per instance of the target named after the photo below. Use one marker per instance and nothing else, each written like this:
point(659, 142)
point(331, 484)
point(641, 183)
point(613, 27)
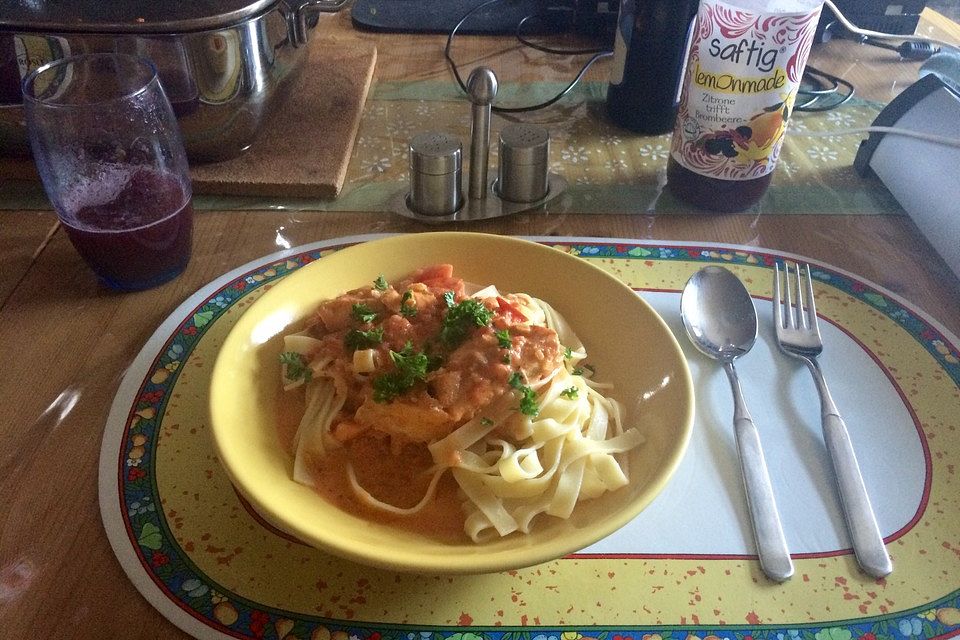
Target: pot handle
point(301, 10)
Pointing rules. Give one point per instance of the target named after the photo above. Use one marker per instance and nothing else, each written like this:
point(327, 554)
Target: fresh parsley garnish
point(410, 367)
point(528, 398)
point(503, 337)
point(460, 317)
point(356, 339)
point(567, 353)
point(579, 371)
point(486, 422)
point(297, 368)
point(362, 313)
point(408, 310)
point(448, 298)
point(570, 392)
point(380, 284)
point(528, 402)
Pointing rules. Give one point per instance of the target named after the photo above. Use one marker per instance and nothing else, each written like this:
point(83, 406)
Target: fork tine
point(777, 303)
point(788, 302)
point(801, 316)
point(811, 305)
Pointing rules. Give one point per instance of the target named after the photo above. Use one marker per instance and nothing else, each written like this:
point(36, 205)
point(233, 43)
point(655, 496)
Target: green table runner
point(609, 169)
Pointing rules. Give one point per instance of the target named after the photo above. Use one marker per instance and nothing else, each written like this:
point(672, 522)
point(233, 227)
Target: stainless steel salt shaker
point(524, 156)
point(436, 168)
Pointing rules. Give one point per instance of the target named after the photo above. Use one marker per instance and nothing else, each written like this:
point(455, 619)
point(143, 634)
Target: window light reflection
point(280, 240)
point(271, 326)
point(647, 395)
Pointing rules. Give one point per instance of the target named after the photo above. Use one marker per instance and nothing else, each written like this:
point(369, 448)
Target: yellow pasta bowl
point(628, 343)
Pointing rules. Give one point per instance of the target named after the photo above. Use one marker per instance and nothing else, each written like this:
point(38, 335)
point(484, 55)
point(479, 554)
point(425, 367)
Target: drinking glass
point(109, 153)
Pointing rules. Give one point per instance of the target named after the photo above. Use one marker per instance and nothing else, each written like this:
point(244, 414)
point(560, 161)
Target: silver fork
point(798, 335)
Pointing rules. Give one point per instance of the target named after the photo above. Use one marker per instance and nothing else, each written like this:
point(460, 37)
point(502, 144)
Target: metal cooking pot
point(224, 64)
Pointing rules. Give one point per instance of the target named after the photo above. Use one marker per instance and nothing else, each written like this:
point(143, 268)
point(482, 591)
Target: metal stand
point(485, 209)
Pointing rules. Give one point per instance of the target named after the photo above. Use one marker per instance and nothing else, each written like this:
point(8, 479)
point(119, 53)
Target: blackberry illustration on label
point(743, 72)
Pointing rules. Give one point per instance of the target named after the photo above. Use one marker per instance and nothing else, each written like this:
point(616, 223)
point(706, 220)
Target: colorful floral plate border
point(172, 584)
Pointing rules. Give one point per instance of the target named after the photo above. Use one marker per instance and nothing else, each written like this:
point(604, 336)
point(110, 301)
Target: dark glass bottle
point(9, 71)
point(649, 52)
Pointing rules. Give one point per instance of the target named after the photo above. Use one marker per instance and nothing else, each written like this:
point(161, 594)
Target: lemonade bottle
point(744, 67)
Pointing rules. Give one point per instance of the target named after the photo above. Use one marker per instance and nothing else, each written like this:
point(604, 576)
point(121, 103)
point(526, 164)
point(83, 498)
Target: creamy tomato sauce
point(413, 361)
point(396, 479)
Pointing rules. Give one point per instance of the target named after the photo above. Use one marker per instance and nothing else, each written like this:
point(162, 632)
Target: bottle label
point(32, 52)
point(742, 77)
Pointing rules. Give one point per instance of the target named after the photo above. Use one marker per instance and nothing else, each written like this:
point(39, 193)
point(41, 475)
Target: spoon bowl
point(718, 314)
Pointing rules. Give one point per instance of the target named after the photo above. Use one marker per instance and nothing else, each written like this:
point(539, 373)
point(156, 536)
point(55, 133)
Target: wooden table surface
point(67, 341)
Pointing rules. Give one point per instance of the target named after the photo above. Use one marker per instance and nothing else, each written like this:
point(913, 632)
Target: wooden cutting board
point(305, 150)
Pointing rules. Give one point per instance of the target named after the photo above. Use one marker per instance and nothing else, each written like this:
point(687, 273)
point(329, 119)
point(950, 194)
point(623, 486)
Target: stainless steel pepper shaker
point(524, 151)
point(436, 168)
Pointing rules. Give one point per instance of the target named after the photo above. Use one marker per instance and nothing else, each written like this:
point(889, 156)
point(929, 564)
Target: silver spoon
point(721, 322)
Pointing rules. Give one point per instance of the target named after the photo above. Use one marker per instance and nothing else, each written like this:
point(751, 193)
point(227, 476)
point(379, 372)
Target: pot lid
point(127, 16)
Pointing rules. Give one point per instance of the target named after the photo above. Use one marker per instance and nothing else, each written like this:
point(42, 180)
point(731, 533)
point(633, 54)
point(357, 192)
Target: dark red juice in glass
point(133, 226)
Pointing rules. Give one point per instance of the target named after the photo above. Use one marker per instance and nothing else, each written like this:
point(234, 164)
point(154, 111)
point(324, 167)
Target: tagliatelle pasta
point(427, 395)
